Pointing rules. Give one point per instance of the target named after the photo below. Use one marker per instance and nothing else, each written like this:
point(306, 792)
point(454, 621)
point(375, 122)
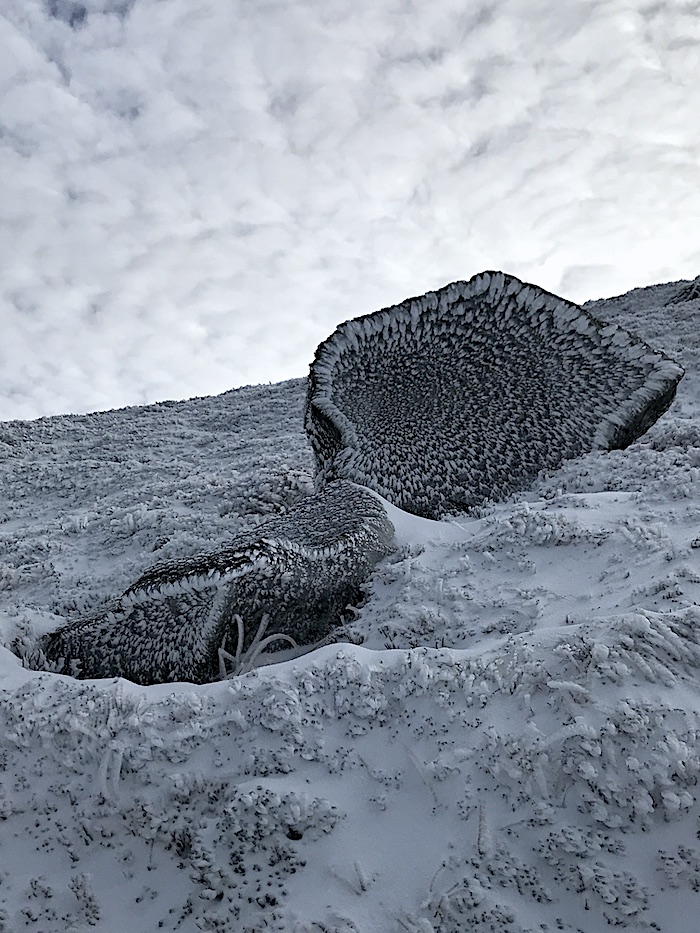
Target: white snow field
point(505, 738)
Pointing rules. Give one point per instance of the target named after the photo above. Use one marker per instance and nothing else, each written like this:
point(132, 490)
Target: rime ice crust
point(302, 569)
point(464, 394)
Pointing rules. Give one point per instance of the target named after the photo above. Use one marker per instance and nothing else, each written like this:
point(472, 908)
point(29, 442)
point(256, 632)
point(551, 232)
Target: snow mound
point(464, 394)
point(291, 579)
point(546, 782)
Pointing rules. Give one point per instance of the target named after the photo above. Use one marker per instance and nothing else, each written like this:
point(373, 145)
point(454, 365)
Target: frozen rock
point(463, 395)
point(297, 573)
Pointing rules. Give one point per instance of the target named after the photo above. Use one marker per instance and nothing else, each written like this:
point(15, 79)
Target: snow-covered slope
point(506, 737)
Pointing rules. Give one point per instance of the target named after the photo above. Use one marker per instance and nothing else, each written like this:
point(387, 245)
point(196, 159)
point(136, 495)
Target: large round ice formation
point(295, 574)
point(465, 394)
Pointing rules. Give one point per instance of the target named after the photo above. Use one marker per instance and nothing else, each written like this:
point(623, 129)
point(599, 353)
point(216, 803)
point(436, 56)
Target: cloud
point(194, 194)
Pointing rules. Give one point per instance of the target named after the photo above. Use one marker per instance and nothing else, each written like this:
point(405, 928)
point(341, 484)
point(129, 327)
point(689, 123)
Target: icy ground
point(505, 738)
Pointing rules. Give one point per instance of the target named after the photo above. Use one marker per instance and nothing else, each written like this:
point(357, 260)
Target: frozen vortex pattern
point(463, 395)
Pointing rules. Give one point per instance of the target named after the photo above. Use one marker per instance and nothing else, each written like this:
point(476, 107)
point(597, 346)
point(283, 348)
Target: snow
point(506, 737)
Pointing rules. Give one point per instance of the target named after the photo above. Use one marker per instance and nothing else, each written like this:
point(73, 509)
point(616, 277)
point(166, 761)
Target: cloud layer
point(195, 193)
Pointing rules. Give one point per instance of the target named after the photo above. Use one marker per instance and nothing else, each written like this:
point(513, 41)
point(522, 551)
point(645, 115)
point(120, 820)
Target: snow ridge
point(463, 395)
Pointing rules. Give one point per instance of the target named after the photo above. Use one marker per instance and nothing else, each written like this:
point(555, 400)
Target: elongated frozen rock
point(301, 570)
point(464, 394)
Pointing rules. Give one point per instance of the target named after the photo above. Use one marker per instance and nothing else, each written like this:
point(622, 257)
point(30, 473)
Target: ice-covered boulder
point(464, 394)
point(293, 575)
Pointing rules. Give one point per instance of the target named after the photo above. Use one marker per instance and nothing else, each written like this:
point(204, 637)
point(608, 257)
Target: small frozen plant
point(88, 908)
point(243, 661)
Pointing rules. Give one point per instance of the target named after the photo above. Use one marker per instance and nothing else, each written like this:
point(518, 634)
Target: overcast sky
point(194, 193)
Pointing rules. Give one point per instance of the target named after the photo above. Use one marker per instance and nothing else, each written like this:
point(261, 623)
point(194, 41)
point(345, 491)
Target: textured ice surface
point(440, 403)
point(463, 395)
point(301, 570)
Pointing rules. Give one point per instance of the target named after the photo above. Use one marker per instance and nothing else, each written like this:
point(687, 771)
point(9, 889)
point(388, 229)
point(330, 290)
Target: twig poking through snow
point(244, 661)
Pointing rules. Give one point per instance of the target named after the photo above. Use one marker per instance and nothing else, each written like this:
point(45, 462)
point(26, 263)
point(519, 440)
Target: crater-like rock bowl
point(463, 395)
